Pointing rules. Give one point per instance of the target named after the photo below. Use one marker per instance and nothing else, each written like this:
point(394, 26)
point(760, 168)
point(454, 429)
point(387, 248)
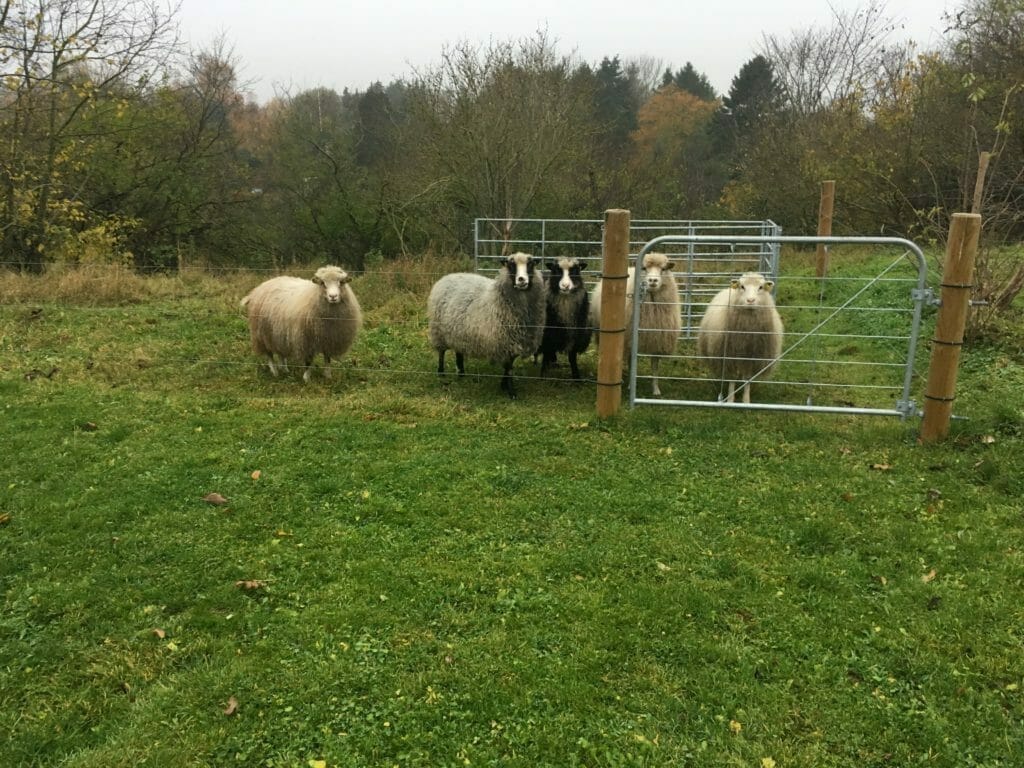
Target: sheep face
point(566, 275)
point(655, 264)
point(751, 290)
point(331, 280)
point(521, 268)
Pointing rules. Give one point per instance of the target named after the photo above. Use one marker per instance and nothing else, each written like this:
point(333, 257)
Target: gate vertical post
point(825, 206)
point(957, 273)
point(615, 258)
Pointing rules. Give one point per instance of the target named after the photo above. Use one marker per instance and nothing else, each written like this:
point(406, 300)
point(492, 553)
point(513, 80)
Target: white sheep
point(296, 319)
point(740, 336)
point(660, 320)
point(499, 319)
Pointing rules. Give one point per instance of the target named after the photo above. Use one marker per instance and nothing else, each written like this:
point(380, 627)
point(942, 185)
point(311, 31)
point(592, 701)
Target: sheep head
point(331, 279)
point(521, 268)
point(566, 274)
point(656, 264)
point(751, 290)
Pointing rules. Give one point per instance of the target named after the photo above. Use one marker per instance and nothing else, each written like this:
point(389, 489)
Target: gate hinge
point(927, 295)
point(906, 408)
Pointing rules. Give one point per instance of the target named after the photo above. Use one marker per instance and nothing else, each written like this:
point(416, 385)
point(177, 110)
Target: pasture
point(408, 572)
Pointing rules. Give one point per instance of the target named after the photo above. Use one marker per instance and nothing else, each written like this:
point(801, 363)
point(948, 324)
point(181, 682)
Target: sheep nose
point(333, 298)
point(521, 281)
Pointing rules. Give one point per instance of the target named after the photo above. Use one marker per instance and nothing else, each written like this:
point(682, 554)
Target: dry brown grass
point(115, 285)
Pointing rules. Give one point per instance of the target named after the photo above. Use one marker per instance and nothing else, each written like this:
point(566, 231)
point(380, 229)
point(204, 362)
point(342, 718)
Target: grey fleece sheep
point(740, 336)
point(567, 327)
point(499, 319)
point(296, 319)
point(660, 320)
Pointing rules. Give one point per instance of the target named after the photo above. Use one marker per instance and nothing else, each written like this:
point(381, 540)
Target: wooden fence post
point(615, 260)
point(979, 181)
point(825, 206)
point(957, 273)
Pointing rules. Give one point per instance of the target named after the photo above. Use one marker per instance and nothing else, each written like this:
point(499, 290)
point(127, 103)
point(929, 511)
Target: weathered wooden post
point(615, 260)
point(979, 181)
point(957, 274)
point(825, 206)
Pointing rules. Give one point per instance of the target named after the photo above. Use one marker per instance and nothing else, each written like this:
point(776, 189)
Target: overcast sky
point(301, 44)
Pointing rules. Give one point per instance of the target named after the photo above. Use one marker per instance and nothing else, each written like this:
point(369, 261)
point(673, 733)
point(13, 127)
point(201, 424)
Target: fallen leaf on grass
point(881, 467)
point(317, 763)
point(988, 439)
point(5, 518)
point(159, 633)
point(735, 726)
point(662, 566)
point(847, 496)
point(930, 576)
point(215, 498)
point(767, 762)
point(88, 426)
point(250, 584)
point(256, 474)
point(232, 706)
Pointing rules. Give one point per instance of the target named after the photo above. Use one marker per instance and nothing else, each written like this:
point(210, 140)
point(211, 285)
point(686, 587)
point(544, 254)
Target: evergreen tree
point(614, 103)
point(697, 83)
point(753, 95)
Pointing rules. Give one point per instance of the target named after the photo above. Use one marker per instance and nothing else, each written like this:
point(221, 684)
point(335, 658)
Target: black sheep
point(567, 328)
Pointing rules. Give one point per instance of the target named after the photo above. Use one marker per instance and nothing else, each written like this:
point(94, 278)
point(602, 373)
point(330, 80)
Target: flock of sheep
point(519, 313)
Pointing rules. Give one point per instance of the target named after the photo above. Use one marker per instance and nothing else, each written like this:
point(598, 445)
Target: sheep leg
point(655, 390)
point(507, 385)
point(308, 373)
point(440, 362)
point(327, 366)
point(270, 364)
point(746, 393)
point(547, 360)
point(460, 363)
point(573, 366)
point(732, 392)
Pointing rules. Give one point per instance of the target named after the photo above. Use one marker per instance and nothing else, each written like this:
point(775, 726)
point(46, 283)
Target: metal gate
point(850, 340)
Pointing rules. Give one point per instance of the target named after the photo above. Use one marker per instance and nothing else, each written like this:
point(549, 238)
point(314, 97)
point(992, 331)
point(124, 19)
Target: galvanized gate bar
point(904, 406)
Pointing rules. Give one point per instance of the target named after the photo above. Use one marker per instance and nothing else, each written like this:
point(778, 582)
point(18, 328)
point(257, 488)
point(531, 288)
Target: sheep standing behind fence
point(296, 319)
point(567, 325)
point(740, 336)
point(660, 319)
point(499, 319)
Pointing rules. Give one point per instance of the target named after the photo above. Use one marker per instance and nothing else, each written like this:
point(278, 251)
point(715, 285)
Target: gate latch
point(927, 295)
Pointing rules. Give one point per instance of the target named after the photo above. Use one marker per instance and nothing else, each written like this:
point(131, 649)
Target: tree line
point(116, 146)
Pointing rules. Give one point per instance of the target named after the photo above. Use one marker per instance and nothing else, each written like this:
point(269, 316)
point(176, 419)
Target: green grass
point(449, 578)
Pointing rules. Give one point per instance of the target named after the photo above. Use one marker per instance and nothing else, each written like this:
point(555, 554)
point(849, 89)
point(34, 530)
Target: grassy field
point(415, 573)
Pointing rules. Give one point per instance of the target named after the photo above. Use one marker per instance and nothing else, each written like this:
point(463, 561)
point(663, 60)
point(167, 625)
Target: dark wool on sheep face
point(567, 322)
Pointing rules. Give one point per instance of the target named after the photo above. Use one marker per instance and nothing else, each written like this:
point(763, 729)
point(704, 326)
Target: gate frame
point(920, 296)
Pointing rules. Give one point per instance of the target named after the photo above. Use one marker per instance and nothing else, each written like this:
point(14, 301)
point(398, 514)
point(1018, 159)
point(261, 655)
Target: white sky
point(302, 44)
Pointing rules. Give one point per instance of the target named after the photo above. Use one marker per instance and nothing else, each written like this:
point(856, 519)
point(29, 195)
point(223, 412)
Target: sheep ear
point(317, 280)
point(581, 264)
point(552, 266)
point(735, 283)
point(345, 278)
point(671, 265)
point(769, 284)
